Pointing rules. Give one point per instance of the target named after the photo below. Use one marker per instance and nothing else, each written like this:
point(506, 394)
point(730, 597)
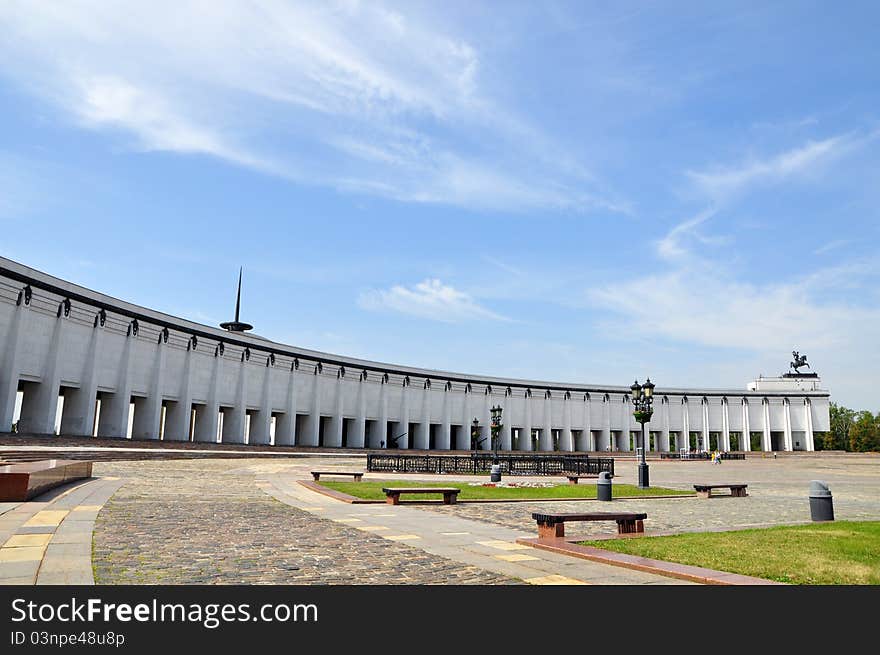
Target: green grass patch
point(372, 490)
point(834, 553)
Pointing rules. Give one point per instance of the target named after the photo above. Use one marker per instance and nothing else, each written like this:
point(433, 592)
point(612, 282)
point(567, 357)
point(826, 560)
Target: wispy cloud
point(721, 183)
point(700, 307)
point(350, 95)
point(429, 299)
point(831, 245)
point(672, 245)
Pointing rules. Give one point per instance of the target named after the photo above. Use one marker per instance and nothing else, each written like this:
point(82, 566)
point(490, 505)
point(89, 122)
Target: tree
point(842, 419)
point(864, 434)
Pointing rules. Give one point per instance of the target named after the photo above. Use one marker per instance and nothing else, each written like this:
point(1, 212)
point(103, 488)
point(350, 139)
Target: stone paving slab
point(48, 541)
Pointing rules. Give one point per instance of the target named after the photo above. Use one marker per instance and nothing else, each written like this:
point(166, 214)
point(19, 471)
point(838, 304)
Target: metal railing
point(482, 463)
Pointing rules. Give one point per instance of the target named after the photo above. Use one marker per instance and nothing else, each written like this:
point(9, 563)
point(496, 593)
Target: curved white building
point(78, 362)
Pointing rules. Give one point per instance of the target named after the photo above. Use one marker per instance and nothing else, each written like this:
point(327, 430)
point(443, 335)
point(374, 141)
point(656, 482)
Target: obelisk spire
point(237, 325)
point(238, 295)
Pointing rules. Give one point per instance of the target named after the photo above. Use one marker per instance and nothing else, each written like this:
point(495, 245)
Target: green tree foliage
point(864, 434)
point(842, 419)
point(850, 430)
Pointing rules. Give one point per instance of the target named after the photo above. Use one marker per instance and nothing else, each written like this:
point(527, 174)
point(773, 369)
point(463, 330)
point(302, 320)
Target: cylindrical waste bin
point(821, 502)
point(495, 473)
point(603, 486)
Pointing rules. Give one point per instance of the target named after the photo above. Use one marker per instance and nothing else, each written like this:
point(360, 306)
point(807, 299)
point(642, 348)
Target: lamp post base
point(643, 475)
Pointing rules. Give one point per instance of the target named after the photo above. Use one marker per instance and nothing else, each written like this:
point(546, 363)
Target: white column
point(704, 406)
point(546, 444)
point(207, 425)
point(626, 426)
point(116, 409)
point(745, 441)
point(786, 412)
point(358, 439)
point(685, 428)
point(566, 440)
point(606, 424)
point(808, 424)
point(10, 371)
point(487, 421)
point(285, 431)
point(177, 422)
point(445, 431)
point(725, 427)
point(382, 425)
point(39, 408)
point(464, 435)
point(313, 432)
point(148, 417)
point(261, 423)
point(767, 442)
point(404, 441)
point(234, 422)
point(506, 438)
point(335, 437)
point(79, 404)
point(664, 417)
point(423, 438)
point(525, 440)
point(586, 428)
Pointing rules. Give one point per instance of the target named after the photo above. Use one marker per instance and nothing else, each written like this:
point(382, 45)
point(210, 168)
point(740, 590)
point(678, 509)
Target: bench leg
point(316, 476)
point(449, 499)
point(358, 478)
point(704, 494)
point(739, 493)
point(572, 481)
point(551, 531)
point(630, 527)
point(393, 499)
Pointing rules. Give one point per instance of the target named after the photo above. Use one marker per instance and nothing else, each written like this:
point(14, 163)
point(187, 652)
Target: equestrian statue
point(799, 361)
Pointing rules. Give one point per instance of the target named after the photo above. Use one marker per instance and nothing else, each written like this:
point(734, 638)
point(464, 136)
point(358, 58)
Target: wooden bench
point(705, 490)
point(551, 526)
point(573, 479)
point(392, 494)
point(23, 481)
point(358, 475)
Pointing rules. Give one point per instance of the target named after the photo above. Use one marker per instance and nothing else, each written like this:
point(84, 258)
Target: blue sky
point(584, 192)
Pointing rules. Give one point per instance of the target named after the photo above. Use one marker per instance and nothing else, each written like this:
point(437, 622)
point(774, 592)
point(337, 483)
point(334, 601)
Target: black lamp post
point(496, 430)
point(475, 435)
point(642, 398)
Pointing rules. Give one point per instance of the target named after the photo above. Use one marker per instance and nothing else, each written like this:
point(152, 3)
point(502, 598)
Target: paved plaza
point(249, 521)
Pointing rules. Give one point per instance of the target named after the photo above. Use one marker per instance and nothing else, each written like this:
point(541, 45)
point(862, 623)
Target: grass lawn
point(372, 490)
point(834, 553)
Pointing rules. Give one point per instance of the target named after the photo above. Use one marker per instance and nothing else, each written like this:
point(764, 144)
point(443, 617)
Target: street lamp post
point(475, 435)
point(642, 398)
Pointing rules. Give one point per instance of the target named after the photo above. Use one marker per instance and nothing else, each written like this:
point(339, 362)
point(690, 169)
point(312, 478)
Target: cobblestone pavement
point(206, 522)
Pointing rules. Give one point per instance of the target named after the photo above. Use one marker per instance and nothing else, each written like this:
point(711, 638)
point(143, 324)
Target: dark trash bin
point(821, 501)
point(603, 486)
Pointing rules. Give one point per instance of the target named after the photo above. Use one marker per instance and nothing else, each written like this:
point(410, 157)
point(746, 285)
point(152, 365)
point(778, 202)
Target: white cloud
point(349, 95)
point(671, 246)
point(429, 299)
point(721, 183)
point(831, 245)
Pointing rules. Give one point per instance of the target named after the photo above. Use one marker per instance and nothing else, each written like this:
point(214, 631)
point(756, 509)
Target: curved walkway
point(49, 540)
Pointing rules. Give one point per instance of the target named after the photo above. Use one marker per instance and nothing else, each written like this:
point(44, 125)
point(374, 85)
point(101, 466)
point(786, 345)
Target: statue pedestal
point(787, 382)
